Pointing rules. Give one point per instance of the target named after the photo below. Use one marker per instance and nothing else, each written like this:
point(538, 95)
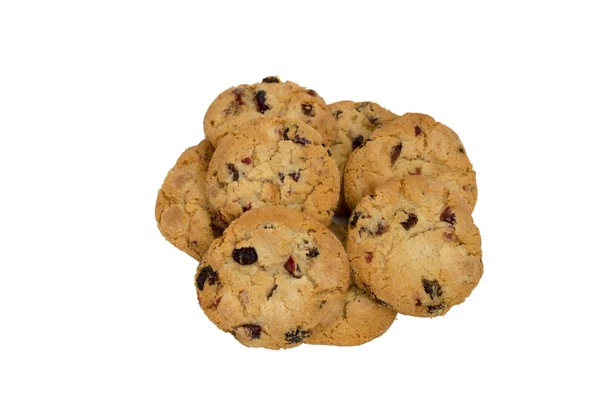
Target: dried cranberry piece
point(296, 336)
point(418, 130)
point(291, 267)
point(207, 274)
point(357, 141)
point(246, 208)
point(432, 288)
point(448, 216)
point(295, 176)
point(311, 92)
point(410, 221)
point(396, 152)
point(300, 140)
point(260, 97)
point(247, 161)
point(307, 109)
point(382, 228)
point(253, 331)
point(271, 79)
point(235, 175)
point(369, 257)
point(245, 255)
point(238, 97)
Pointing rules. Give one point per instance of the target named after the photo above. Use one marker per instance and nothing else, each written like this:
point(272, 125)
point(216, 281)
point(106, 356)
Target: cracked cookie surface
point(413, 144)
point(273, 98)
point(271, 161)
point(274, 277)
point(182, 210)
point(361, 320)
point(413, 246)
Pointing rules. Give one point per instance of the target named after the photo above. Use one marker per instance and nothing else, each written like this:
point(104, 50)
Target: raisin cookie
point(182, 211)
point(273, 98)
point(413, 144)
point(414, 246)
point(270, 161)
point(273, 277)
point(362, 320)
point(356, 122)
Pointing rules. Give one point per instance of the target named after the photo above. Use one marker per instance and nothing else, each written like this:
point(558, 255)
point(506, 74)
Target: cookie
point(272, 98)
point(182, 210)
point(356, 122)
point(274, 277)
point(270, 161)
point(413, 144)
point(361, 321)
point(413, 245)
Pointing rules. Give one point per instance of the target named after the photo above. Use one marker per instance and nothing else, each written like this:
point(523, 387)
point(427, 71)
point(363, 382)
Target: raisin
point(245, 255)
point(194, 243)
point(435, 308)
point(246, 208)
point(253, 331)
point(307, 109)
point(418, 302)
point(369, 257)
point(410, 221)
point(448, 216)
point(417, 171)
point(357, 141)
point(461, 150)
point(235, 175)
point(291, 267)
point(247, 161)
point(239, 97)
point(300, 140)
point(312, 253)
point(296, 336)
point(207, 274)
point(261, 101)
point(281, 176)
point(273, 289)
point(373, 120)
point(295, 176)
point(329, 153)
point(418, 130)
point(432, 288)
point(382, 228)
point(396, 152)
point(271, 79)
point(355, 218)
point(311, 92)
point(336, 114)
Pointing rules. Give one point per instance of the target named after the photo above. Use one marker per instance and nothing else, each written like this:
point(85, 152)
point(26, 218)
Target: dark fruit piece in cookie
point(337, 114)
point(396, 152)
point(239, 97)
point(311, 92)
point(245, 255)
point(253, 331)
point(307, 109)
point(291, 267)
point(432, 288)
point(355, 218)
point(369, 257)
point(207, 274)
point(271, 79)
point(357, 141)
point(312, 253)
point(410, 221)
point(382, 228)
point(448, 216)
point(435, 308)
point(295, 176)
point(418, 130)
point(235, 175)
point(300, 140)
point(296, 336)
point(261, 101)
point(247, 161)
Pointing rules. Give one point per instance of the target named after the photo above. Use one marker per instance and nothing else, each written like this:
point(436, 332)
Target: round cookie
point(274, 277)
point(356, 122)
point(271, 161)
point(414, 246)
point(182, 210)
point(272, 98)
point(361, 321)
point(413, 144)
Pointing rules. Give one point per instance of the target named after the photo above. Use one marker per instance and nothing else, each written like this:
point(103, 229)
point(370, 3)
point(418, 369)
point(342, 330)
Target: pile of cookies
point(317, 223)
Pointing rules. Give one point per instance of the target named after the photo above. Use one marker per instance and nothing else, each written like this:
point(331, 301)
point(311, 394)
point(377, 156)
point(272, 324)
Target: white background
point(99, 98)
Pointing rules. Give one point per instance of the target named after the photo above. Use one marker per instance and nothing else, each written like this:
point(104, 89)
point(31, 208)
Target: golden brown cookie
point(362, 320)
point(274, 277)
point(413, 144)
point(270, 161)
point(271, 98)
point(414, 246)
point(182, 211)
